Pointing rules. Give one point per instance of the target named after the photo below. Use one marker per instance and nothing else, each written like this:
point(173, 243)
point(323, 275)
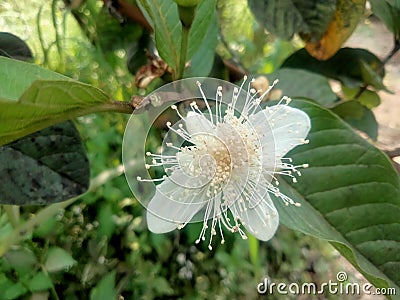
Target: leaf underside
point(287, 17)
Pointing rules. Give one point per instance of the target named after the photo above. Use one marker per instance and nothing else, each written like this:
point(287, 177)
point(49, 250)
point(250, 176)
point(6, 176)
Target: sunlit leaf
point(346, 17)
point(58, 259)
point(41, 103)
point(368, 98)
point(20, 75)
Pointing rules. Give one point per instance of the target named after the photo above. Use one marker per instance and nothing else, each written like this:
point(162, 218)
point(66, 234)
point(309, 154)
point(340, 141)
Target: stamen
point(174, 107)
point(151, 180)
point(205, 100)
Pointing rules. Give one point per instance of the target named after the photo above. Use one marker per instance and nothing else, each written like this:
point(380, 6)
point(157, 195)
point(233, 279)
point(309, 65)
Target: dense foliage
point(114, 53)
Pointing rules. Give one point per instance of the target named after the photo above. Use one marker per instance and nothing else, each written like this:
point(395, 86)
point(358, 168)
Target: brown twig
point(235, 73)
point(131, 12)
point(393, 153)
point(396, 166)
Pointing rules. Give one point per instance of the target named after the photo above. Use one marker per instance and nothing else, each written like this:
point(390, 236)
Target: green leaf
point(20, 75)
point(346, 18)
point(48, 227)
point(389, 12)
point(14, 291)
point(45, 167)
point(44, 103)
point(164, 18)
point(22, 260)
point(105, 289)
point(58, 259)
point(40, 282)
point(204, 25)
point(12, 46)
point(167, 27)
point(106, 221)
point(349, 195)
point(202, 61)
point(358, 116)
point(297, 83)
point(372, 77)
point(284, 18)
point(368, 98)
point(345, 65)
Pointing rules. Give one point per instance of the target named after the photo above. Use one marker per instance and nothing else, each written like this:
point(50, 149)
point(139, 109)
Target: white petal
point(289, 125)
point(260, 218)
point(196, 123)
point(173, 205)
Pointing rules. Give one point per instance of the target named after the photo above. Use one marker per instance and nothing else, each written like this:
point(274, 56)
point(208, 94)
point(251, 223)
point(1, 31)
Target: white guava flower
point(227, 169)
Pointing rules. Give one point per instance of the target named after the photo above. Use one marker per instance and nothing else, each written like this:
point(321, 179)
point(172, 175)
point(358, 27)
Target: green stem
point(123, 107)
point(254, 247)
point(58, 38)
point(12, 212)
point(184, 46)
point(40, 35)
point(53, 290)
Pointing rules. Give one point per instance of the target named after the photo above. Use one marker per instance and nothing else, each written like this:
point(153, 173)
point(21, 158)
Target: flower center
point(232, 151)
point(209, 158)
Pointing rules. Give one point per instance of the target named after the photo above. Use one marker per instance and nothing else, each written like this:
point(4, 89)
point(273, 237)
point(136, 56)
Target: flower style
point(226, 169)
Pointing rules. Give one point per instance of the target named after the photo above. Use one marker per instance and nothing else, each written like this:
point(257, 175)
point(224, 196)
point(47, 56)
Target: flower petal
point(173, 204)
point(196, 123)
point(289, 125)
point(261, 218)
